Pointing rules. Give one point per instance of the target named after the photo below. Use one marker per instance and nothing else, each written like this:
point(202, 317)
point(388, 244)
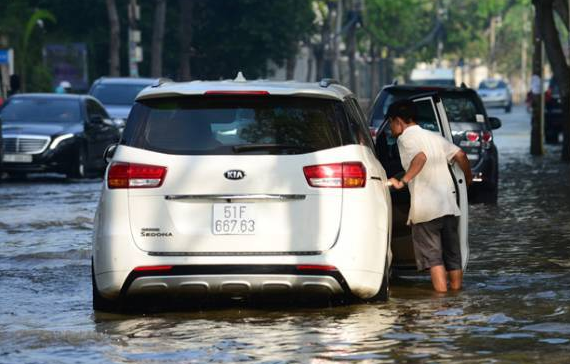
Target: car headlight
point(55, 142)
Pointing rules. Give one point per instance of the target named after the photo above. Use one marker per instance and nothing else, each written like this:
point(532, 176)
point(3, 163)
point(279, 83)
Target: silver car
point(496, 93)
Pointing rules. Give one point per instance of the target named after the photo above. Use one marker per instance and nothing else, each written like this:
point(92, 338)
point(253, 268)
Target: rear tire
point(101, 303)
point(508, 108)
point(551, 137)
point(78, 168)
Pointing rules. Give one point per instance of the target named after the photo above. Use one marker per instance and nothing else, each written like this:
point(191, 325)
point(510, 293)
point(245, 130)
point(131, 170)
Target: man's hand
point(461, 159)
point(396, 183)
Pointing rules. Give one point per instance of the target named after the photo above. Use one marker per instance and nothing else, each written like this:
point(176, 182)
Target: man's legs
point(452, 251)
point(439, 278)
point(456, 279)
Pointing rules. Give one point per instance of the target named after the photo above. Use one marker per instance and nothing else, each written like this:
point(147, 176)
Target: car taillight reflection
point(132, 175)
point(336, 175)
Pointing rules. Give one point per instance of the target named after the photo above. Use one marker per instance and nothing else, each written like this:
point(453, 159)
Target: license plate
point(233, 219)
point(17, 158)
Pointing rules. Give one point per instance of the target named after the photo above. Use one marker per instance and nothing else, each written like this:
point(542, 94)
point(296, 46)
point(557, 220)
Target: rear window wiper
point(243, 148)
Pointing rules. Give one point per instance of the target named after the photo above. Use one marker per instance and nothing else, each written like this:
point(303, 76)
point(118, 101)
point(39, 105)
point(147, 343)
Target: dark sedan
point(471, 128)
point(55, 133)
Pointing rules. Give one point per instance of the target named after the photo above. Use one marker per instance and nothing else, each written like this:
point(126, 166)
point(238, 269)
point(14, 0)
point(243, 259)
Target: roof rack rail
point(161, 81)
point(326, 82)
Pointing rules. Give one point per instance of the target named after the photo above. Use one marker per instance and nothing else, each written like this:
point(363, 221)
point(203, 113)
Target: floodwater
point(515, 307)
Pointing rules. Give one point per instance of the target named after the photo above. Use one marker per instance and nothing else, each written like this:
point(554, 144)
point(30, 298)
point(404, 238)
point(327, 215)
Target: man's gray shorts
point(436, 242)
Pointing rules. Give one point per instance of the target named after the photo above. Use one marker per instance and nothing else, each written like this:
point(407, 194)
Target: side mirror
point(119, 123)
point(109, 153)
point(495, 122)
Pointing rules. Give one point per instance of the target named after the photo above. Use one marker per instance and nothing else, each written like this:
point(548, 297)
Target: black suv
point(470, 125)
point(553, 118)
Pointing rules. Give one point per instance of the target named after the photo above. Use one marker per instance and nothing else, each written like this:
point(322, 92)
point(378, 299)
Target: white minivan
point(243, 189)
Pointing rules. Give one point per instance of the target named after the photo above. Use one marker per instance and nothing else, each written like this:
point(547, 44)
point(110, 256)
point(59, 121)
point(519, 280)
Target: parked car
point(553, 117)
point(242, 189)
point(118, 94)
point(471, 128)
point(55, 133)
point(496, 93)
point(443, 77)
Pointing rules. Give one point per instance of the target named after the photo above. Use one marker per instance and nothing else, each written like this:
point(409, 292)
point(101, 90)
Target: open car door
point(431, 116)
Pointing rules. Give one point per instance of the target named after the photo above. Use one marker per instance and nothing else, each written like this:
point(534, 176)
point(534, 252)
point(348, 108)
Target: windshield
point(117, 94)
point(459, 106)
point(235, 125)
point(41, 110)
point(492, 85)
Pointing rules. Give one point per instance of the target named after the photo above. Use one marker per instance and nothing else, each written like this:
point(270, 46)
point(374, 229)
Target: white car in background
point(496, 93)
point(242, 189)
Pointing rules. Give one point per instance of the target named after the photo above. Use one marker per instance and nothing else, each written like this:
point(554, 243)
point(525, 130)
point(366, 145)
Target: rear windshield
point(117, 94)
point(41, 110)
point(460, 107)
point(198, 125)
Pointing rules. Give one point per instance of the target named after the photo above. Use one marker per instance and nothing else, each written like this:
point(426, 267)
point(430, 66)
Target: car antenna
point(463, 85)
point(395, 82)
point(240, 77)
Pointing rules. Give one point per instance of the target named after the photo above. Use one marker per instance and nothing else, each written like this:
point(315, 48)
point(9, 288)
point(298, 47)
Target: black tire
point(508, 108)
point(78, 168)
point(551, 137)
point(101, 303)
point(490, 195)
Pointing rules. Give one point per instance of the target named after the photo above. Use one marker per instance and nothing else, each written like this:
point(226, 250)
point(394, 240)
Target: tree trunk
point(290, 66)
point(157, 38)
point(351, 50)
point(114, 39)
point(550, 35)
point(374, 73)
point(185, 39)
point(537, 121)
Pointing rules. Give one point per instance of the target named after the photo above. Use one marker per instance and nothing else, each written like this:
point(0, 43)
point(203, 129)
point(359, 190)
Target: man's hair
point(405, 109)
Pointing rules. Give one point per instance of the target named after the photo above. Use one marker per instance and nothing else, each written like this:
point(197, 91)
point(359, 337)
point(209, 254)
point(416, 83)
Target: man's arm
point(416, 166)
point(461, 159)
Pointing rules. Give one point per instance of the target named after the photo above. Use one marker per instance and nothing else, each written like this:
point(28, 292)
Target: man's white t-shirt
point(432, 190)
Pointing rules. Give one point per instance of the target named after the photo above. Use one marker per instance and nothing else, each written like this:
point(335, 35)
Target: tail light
point(153, 268)
point(237, 92)
point(336, 175)
point(548, 95)
point(486, 138)
point(131, 175)
point(472, 136)
point(315, 267)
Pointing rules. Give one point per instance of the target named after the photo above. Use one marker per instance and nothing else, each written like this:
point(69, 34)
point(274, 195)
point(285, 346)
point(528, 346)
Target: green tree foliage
point(232, 35)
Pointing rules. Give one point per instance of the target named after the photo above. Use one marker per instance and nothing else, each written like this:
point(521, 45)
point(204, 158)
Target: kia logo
point(234, 174)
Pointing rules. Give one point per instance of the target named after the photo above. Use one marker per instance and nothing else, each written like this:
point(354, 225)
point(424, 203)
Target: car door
point(431, 116)
point(98, 133)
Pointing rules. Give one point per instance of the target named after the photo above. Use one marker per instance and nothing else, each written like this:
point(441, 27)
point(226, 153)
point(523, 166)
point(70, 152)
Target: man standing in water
point(434, 213)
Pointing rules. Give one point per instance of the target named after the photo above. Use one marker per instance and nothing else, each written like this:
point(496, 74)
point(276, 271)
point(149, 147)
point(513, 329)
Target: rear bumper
point(496, 103)
point(201, 282)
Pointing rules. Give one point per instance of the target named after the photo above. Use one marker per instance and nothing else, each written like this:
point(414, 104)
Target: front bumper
point(56, 160)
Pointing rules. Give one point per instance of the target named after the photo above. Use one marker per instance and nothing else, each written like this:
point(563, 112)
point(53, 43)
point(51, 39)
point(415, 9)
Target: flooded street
point(515, 307)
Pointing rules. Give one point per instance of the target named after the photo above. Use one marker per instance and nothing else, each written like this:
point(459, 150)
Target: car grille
point(25, 144)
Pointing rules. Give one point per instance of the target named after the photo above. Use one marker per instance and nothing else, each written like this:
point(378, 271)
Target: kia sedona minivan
point(242, 189)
